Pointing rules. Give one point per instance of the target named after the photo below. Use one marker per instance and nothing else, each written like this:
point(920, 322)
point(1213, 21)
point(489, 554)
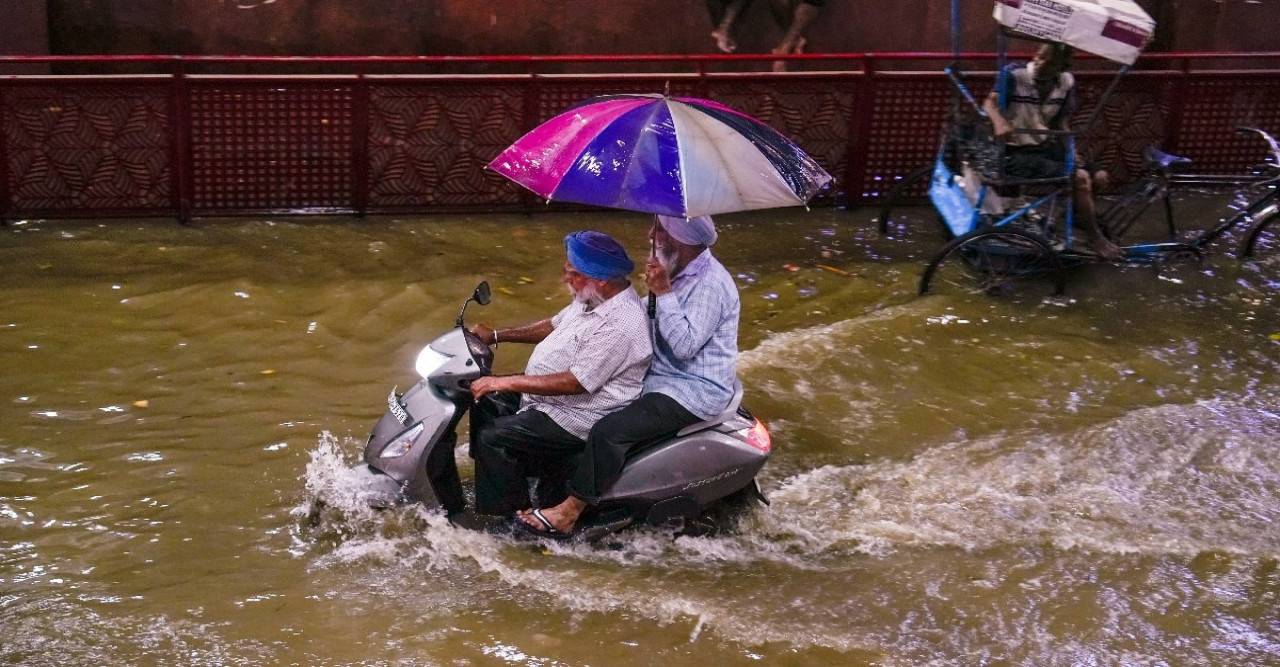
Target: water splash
point(1170, 480)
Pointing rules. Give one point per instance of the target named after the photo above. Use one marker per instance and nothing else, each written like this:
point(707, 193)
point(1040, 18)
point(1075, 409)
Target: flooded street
point(1088, 479)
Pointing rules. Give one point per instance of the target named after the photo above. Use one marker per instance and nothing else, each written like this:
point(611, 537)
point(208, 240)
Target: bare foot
point(787, 48)
point(780, 65)
point(723, 41)
point(1105, 247)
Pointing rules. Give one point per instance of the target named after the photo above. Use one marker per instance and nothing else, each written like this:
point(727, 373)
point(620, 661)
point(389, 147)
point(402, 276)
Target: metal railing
point(188, 136)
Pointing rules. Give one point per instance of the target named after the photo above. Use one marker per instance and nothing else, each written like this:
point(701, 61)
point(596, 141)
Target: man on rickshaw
point(1031, 101)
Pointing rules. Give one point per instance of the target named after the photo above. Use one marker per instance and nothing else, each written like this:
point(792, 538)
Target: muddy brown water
point(956, 479)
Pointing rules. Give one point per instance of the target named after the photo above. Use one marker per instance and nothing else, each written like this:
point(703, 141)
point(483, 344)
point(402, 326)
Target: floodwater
point(956, 479)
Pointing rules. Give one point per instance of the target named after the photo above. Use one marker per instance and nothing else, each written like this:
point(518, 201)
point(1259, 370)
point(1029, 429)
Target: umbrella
point(676, 156)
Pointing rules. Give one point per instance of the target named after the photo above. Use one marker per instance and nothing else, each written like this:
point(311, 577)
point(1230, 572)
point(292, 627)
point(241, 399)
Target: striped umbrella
point(676, 156)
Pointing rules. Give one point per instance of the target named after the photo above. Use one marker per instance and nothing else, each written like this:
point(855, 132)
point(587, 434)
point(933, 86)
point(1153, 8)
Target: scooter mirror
point(482, 294)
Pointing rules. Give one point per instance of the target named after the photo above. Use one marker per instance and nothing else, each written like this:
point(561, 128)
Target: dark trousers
point(510, 446)
point(647, 420)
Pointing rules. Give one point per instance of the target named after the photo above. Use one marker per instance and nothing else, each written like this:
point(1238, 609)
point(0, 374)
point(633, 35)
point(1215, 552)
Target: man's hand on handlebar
point(484, 333)
point(1001, 128)
point(487, 384)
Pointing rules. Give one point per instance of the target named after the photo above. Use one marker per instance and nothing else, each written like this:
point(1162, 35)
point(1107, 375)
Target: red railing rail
point(1254, 56)
point(193, 135)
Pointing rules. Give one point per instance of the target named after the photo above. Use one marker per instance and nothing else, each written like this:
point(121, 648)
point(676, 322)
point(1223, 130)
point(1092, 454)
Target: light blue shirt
point(695, 338)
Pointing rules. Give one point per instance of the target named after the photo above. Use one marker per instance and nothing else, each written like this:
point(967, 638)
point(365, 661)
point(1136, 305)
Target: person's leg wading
point(648, 419)
point(503, 452)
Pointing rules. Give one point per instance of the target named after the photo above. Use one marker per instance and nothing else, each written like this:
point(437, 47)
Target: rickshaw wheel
point(1179, 263)
point(997, 262)
point(899, 192)
point(1181, 257)
point(1262, 241)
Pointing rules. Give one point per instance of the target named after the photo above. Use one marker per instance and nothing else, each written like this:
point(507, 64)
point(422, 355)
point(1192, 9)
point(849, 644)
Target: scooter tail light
point(758, 436)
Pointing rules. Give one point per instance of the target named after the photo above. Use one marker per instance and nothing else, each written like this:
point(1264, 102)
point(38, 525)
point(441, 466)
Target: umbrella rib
point(719, 141)
point(685, 119)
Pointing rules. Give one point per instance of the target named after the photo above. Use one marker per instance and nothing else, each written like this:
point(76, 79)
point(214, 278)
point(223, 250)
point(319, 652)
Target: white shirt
point(606, 348)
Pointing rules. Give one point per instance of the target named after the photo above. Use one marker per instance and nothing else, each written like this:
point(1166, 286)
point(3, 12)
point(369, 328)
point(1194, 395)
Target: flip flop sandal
point(550, 533)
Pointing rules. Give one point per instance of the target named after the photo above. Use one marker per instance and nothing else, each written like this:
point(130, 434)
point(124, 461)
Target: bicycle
point(1167, 174)
point(1026, 246)
point(1008, 233)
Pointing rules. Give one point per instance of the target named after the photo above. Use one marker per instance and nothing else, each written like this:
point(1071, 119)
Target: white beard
point(588, 296)
point(668, 258)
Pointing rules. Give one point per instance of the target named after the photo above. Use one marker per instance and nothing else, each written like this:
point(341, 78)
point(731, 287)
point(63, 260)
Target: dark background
point(539, 27)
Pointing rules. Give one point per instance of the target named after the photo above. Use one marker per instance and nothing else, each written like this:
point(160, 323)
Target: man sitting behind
point(692, 378)
point(1040, 96)
point(590, 360)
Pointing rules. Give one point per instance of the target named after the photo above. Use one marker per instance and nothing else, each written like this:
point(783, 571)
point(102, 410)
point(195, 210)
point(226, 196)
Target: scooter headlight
point(429, 360)
point(401, 445)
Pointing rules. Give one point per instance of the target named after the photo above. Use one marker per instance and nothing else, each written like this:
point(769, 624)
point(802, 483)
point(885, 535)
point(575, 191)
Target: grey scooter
point(689, 482)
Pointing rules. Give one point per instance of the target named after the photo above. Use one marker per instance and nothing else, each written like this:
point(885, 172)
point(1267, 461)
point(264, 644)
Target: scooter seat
point(721, 418)
point(1158, 159)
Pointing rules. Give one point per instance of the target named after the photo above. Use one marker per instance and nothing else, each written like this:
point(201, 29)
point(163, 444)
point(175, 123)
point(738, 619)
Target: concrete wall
point(464, 27)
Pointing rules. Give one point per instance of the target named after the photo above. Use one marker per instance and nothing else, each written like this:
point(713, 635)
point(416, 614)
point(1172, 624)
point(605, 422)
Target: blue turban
point(595, 255)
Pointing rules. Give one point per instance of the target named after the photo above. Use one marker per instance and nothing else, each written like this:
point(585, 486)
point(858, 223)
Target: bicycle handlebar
point(1272, 145)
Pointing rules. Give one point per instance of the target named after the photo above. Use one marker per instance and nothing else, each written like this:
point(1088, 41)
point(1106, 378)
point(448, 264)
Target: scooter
point(691, 482)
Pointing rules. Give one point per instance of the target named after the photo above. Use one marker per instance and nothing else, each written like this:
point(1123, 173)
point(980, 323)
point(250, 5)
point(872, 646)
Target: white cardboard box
point(1114, 29)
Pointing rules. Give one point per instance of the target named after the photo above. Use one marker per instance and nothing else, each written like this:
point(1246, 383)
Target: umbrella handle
point(653, 298)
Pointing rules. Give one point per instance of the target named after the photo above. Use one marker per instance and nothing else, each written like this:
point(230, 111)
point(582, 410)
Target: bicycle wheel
point(898, 192)
point(1177, 262)
point(1262, 240)
point(997, 262)
point(1119, 216)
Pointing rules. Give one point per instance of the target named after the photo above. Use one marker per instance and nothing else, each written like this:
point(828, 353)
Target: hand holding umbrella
point(656, 277)
point(653, 258)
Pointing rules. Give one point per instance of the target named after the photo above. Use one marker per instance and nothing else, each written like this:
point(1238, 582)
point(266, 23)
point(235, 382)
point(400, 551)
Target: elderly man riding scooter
point(691, 379)
point(590, 360)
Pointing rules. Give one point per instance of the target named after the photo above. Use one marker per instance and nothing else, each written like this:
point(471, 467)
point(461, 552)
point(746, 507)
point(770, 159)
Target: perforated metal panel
point(557, 95)
point(1133, 118)
point(904, 130)
point(1214, 106)
point(161, 145)
point(429, 143)
point(87, 148)
point(815, 113)
point(271, 145)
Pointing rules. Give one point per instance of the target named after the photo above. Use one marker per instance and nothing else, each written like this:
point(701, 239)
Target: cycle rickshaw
point(1008, 233)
